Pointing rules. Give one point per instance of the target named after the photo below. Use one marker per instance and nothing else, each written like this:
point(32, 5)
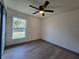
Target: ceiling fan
point(41, 8)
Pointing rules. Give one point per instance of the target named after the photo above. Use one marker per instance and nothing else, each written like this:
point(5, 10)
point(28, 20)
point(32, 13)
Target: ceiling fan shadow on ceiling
point(41, 8)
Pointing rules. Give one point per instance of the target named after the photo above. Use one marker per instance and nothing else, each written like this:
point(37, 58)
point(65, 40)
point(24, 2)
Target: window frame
point(25, 27)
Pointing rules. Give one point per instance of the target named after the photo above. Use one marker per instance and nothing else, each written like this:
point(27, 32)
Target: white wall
point(32, 31)
point(62, 30)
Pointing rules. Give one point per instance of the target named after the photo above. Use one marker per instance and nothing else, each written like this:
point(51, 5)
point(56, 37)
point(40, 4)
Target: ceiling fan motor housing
point(41, 7)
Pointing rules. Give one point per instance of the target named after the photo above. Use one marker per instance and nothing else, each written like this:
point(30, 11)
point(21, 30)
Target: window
point(19, 28)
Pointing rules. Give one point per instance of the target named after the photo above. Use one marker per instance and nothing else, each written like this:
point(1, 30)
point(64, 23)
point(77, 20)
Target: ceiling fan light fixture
point(41, 12)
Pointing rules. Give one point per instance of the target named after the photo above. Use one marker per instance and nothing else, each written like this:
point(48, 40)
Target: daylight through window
point(19, 28)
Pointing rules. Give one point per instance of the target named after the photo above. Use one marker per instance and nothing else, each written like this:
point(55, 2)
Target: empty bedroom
point(39, 29)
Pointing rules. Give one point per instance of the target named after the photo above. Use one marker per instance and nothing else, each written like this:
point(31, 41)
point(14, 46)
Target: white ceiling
point(57, 5)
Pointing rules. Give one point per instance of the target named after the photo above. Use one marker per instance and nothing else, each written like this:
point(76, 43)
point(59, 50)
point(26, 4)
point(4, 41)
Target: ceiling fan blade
point(49, 10)
point(35, 12)
point(33, 7)
point(45, 4)
point(43, 14)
